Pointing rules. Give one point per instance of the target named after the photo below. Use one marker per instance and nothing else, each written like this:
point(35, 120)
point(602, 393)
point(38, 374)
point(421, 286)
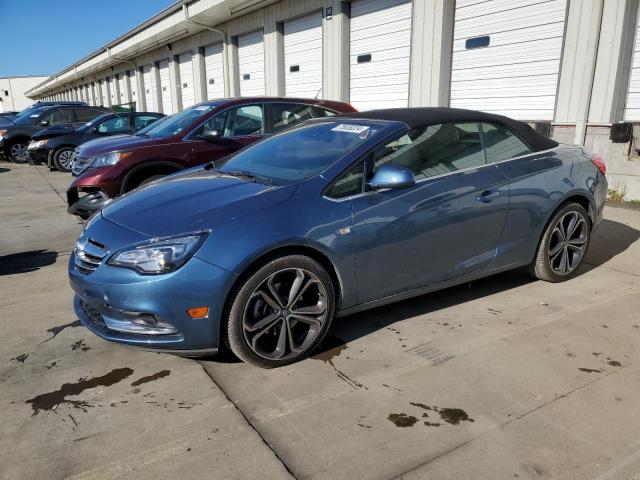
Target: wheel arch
point(281, 251)
point(168, 166)
point(579, 197)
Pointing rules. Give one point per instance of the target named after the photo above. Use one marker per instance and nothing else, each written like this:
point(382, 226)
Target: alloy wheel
point(567, 243)
point(285, 313)
point(65, 158)
point(18, 152)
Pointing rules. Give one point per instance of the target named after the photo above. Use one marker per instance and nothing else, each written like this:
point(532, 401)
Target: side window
point(502, 144)
point(60, 117)
point(113, 125)
point(142, 121)
point(349, 183)
point(85, 115)
point(435, 150)
point(287, 114)
point(322, 112)
point(214, 123)
point(244, 121)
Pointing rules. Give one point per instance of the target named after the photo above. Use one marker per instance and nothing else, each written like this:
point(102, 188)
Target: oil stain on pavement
point(452, 416)
point(151, 378)
point(54, 331)
point(331, 348)
point(51, 400)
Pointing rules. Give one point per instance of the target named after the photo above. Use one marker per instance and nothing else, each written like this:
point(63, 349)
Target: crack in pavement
point(246, 418)
point(52, 187)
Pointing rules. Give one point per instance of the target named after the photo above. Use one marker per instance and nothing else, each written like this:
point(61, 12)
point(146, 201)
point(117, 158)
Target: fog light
point(145, 319)
point(198, 312)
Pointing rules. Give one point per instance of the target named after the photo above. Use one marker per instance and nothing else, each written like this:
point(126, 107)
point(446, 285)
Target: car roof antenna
point(319, 90)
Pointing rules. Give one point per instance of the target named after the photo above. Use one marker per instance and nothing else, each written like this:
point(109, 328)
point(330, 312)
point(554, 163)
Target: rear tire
point(63, 159)
point(563, 245)
point(281, 313)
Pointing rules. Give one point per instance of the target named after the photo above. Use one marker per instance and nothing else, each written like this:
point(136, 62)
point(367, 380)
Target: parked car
point(199, 134)
point(15, 138)
point(6, 119)
point(331, 217)
point(55, 146)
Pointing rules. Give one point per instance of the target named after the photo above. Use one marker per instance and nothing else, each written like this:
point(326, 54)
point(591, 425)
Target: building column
point(157, 94)
point(141, 100)
point(335, 45)
point(613, 61)
point(273, 42)
point(199, 75)
point(431, 53)
point(578, 65)
point(232, 75)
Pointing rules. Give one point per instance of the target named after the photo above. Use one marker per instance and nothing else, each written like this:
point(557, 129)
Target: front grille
point(89, 254)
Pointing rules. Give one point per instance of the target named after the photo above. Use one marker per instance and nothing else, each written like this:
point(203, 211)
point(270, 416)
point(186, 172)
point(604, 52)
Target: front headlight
point(35, 145)
point(2, 132)
point(160, 255)
point(107, 159)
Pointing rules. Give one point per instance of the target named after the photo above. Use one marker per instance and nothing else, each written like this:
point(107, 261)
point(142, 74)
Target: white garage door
point(165, 87)
point(632, 108)
point(121, 88)
point(380, 52)
point(149, 81)
point(134, 88)
point(112, 90)
point(187, 88)
point(251, 64)
point(506, 56)
point(105, 92)
point(214, 71)
point(303, 56)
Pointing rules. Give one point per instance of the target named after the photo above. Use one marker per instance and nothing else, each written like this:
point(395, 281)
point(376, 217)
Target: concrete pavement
point(502, 378)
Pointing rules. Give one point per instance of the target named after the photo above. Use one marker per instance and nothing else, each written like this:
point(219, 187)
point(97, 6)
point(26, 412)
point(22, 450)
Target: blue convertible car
point(336, 215)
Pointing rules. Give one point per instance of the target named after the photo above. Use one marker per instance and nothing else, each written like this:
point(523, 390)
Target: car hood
point(113, 144)
point(198, 199)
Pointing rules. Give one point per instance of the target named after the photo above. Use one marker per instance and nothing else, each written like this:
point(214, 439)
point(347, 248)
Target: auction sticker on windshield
point(361, 130)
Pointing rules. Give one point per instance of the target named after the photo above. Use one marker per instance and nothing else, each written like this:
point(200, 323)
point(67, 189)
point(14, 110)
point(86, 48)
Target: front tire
point(281, 313)
point(563, 245)
point(63, 159)
point(17, 152)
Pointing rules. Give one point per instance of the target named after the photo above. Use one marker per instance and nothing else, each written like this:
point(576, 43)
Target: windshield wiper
point(246, 175)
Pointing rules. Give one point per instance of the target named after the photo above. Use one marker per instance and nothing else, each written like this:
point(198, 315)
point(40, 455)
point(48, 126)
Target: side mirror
point(210, 136)
point(390, 175)
point(43, 123)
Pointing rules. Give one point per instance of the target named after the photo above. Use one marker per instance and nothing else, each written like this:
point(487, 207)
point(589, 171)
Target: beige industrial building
point(13, 90)
point(571, 67)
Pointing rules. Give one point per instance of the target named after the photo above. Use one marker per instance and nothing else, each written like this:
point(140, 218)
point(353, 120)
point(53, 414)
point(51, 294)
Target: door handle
point(488, 196)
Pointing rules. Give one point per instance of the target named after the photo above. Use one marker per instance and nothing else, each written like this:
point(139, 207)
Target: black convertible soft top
point(424, 116)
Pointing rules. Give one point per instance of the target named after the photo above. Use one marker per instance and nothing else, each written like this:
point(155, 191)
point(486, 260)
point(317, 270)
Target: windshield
point(93, 122)
point(143, 131)
point(300, 153)
point(27, 118)
point(176, 123)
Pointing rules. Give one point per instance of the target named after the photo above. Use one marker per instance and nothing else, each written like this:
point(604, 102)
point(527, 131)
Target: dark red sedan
point(203, 133)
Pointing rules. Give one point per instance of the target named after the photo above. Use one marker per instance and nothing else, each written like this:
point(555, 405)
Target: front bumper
point(110, 302)
point(39, 156)
point(86, 205)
